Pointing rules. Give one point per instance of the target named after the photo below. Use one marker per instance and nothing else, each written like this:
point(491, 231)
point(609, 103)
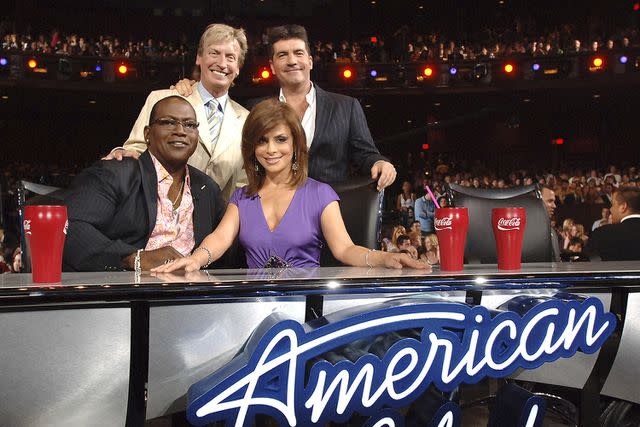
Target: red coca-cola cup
point(451, 226)
point(508, 229)
point(45, 228)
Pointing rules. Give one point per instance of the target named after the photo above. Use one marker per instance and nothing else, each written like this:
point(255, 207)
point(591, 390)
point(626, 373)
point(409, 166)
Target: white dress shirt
point(629, 217)
point(309, 118)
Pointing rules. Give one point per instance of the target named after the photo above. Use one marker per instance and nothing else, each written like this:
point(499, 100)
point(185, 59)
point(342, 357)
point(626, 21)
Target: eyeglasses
point(169, 123)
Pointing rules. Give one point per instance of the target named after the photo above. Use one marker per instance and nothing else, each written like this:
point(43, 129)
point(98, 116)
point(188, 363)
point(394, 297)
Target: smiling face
point(170, 142)
point(291, 63)
point(219, 66)
point(274, 150)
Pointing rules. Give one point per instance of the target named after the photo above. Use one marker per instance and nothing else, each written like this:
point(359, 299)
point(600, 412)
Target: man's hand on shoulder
point(184, 87)
point(384, 172)
point(121, 153)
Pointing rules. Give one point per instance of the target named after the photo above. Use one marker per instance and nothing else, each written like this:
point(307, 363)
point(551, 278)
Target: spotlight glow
point(623, 59)
point(373, 73)
point(453, 71)
point(536, 67)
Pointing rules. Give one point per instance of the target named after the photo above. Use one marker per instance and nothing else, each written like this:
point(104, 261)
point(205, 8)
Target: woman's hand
point(187, 264)
point(404, 260)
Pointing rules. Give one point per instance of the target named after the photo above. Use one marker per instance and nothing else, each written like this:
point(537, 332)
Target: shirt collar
point(630, 216)
point(310, 96)
point(162, 174)
point(206, 96)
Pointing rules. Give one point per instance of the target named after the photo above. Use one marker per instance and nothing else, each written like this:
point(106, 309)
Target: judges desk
point(115, 348)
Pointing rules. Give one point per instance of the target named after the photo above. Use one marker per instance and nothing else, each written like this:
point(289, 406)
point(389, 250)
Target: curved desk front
point(116, 349)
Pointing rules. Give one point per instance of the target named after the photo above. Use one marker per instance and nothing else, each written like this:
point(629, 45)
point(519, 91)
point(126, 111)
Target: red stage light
point(122, 69)
point(347, 73)
point(428, 71)
point(557, 141)
point(32, 63)
point(265, 74)
point(425, 146)
point(509, 68)
point(636, 6)
point(374, 39)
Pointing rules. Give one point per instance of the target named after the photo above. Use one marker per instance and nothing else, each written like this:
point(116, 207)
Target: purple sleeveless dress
point(297, 240)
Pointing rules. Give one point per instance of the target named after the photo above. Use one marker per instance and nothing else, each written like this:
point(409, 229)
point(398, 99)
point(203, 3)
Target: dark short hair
point(154, 109)
point(576, 241)
point(265, 116)
point(287, 32)
point(415, 221)
point(630, 196)
point(403, 238)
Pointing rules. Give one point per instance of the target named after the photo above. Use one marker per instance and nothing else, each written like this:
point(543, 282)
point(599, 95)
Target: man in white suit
point(221, 53)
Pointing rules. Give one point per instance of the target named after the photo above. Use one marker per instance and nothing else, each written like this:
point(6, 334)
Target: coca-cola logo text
point(27, 226)
point(510, 224)
point(443, 223)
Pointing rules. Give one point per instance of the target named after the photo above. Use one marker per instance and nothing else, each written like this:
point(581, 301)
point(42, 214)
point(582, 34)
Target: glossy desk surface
point(18, 288)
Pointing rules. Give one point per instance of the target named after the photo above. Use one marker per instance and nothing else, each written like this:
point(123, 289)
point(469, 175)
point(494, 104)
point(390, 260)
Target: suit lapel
point(204, 139)
point(230, 126)
point(150, 187)
point(199, 207)
point(323, 114)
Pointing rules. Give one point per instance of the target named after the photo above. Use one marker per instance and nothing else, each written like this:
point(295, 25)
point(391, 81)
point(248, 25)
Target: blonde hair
point(216, 33)
point(398, 230)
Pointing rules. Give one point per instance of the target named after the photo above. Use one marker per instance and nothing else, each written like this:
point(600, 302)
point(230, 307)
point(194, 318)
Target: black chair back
point(361, 208)
point(480, 247)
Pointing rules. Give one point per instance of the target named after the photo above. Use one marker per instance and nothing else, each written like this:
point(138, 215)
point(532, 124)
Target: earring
point(294, 165)
point(257, 165)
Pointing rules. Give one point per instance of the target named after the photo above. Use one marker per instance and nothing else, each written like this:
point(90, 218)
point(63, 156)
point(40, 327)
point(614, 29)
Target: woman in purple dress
point(282, 215)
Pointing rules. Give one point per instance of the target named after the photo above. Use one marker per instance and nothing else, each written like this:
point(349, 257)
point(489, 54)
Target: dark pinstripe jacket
point(112, 209)
point(341, 136)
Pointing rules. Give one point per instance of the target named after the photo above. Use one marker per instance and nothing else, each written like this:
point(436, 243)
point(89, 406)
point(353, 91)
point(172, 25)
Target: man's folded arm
point(92, 203)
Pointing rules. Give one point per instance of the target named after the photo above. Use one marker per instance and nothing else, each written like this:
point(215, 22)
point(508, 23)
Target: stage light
point(597, 62)
point(3, 61)
point(347, 73)
point(623, 59)
point(32, 63)
point(374, 39)
point(428, 71)
point(373, 73)
point(557, 141)
point(536, 67)
point(636, 7)
point(509, 68)
point(265, 74)
point(98, 68)
point(122, 69)
point(453, 71)
point(425, 146)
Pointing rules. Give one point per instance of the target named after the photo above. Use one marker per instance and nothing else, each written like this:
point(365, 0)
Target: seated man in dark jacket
point(137, 214)
point(619, 241)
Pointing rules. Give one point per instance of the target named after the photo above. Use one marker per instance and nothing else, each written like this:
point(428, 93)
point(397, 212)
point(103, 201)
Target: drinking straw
point(432, 196)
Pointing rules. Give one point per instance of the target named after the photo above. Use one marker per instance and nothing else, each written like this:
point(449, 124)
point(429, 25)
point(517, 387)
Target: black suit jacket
point(112, 208)
point(341, 136)
point(615, 242)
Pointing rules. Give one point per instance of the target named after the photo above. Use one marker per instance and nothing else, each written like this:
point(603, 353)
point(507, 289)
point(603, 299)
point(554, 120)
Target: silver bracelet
point(136, 262)
point(209, 258)
point(366, 257)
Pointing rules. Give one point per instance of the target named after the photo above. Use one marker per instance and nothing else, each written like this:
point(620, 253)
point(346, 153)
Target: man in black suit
point(139, 214)
point(619, 241)
point(335, 125)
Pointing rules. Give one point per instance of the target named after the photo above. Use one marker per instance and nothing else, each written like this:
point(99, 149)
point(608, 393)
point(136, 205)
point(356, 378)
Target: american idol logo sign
point(281, 373)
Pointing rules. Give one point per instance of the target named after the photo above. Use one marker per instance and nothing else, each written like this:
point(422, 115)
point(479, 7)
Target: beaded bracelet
point(136, 262)
point(209, 258)
point(366, 257)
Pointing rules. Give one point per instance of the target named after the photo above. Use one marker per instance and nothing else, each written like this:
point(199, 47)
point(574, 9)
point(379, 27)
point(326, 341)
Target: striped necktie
point(214, 119)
